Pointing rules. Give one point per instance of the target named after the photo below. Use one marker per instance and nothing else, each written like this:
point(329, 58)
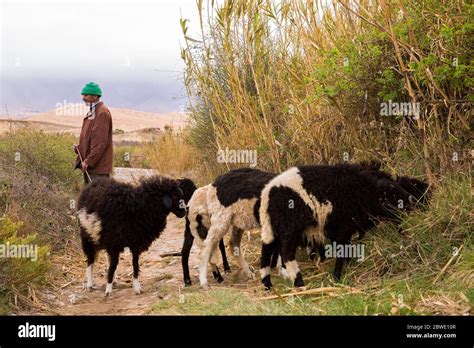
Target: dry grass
point(172, 155)
point(303, 82)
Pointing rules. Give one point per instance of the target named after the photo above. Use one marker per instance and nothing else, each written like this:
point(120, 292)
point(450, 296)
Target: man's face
point(87, 98)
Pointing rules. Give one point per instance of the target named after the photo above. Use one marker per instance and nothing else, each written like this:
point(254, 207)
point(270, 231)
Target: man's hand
point(84, 166)
point(74, 148)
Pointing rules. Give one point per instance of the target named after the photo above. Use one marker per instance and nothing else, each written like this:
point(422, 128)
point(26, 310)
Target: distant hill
point(124, 119)
point(137, 126)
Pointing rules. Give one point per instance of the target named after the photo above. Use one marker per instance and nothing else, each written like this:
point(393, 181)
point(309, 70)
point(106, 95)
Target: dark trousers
point(94, 176)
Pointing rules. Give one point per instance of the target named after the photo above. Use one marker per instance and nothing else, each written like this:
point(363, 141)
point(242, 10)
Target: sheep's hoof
point(205, 286)
point(299, 281)
point(187, 282)
point(108, 290)
point(90, 288)
point(136, 286)
point(218, 277)
point(284, 273)
point(249, 275)
point(227, 270)
point(267, 283)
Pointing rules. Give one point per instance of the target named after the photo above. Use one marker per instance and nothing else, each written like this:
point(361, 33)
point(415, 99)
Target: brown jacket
point(95, 141)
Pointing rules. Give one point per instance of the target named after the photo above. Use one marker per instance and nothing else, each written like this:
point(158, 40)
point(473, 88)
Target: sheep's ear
point(167, 201)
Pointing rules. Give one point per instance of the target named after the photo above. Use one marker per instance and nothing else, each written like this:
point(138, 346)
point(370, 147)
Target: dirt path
point(157, 274)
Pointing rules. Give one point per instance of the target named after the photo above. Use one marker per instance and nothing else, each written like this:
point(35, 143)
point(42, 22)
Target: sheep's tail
point(265, 220)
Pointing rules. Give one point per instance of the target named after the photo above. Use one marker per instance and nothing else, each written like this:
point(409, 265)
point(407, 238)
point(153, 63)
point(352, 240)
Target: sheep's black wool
point(242, 183)
point(417, 188)
point(333, 202)
point(115, 215)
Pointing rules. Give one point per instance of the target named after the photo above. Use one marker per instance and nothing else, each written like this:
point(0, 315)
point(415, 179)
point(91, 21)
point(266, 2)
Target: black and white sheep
point(232, 204)
point(198, 217)
point(115, 215)
point(323, 202)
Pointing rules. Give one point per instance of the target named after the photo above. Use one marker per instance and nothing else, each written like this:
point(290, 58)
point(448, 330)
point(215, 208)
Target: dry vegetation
point(299, 82)
point(303, 83)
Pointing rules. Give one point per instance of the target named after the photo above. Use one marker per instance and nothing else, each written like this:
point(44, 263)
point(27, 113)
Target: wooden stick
point(67, 284)
point(447, 265)
point(80, 157)
point(173, 253)
point(317, 275)
point(305, 292)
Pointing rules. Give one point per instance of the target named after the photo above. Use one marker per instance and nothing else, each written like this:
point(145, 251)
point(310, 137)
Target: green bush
point(41, 188)
point(19, 274)
point(44, 154)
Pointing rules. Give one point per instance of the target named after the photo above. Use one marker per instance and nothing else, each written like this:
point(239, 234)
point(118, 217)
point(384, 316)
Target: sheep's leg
point(187, 245)
point(91, 254)
point(288, 251)
point(224, 257)
point(113, 259)
point(136, 270)
point(234, 242)
point(214, 260)
point(277, 262)
point(275, 256)
point(321, 252)
point(114, 282)
point(338, 269)
point(268, 250)
point(214, 235)
point(216, 274)
point(340, 263)
point(214, 269)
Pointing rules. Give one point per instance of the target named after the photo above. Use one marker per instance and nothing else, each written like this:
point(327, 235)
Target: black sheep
point(323, 202)
point(114, 215)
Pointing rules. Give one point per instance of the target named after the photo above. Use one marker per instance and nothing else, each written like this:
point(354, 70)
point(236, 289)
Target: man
point(95, 149)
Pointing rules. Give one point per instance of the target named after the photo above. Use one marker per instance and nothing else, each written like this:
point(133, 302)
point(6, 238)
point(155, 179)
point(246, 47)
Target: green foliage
point(19, 272)
point(305, 92)
point(44, 154)
point(40, 188)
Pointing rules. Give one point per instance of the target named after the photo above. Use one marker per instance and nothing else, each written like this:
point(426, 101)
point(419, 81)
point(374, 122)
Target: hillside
point(124, 119)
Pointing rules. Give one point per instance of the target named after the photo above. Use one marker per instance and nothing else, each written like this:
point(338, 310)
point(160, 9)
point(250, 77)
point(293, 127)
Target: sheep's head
point(188, 187)
point(392, 197)
point(417, 188)
point(174, 200)
point(167, 193)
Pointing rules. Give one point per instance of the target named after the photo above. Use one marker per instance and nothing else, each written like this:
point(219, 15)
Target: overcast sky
point(106, 41)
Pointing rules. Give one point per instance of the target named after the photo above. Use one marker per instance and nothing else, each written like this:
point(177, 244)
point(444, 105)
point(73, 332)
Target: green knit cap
point(92, 89)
